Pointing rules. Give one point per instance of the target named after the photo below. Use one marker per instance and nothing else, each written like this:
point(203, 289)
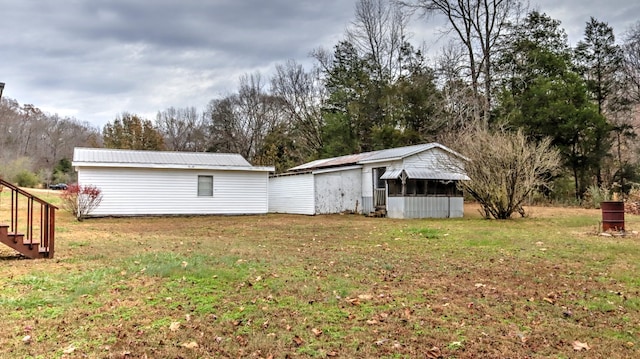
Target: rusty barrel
point(612, 215)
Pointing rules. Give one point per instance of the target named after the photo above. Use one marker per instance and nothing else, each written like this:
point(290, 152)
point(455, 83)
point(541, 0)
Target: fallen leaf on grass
point(174, 326)
point(578, 346)
point(434, 353)
point(242, 340)
point(298, 341)
point(381, 341)
point(70, 349)
point(317, 332)
point(190, 345)
point(523, 338)
point(26, 339)
point(407, 313)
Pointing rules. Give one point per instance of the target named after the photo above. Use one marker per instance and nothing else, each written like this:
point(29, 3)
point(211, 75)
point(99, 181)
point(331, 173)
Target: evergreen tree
point(545, 97)
point(131, 132)
point(599, 60)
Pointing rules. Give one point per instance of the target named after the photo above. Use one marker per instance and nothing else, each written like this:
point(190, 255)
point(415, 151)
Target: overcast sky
point(94, 59)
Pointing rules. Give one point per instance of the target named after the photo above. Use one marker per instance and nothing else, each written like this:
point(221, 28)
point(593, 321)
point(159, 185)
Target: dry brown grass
point(327, 286)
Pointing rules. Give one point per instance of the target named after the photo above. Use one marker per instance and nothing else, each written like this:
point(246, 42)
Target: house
point(141, 183)
point(407, 182)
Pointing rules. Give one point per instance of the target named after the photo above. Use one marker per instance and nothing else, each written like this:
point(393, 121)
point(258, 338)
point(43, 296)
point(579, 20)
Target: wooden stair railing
point(37, 239)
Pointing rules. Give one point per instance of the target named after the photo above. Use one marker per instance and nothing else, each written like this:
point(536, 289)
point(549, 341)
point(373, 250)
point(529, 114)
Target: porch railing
point(379, 197)
point(38, 224)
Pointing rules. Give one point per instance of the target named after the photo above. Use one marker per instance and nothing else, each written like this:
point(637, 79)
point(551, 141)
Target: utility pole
point(1, 88)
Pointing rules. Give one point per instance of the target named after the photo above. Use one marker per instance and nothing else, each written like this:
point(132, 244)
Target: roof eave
point(336, 169)
point(172, 166)
point(364, 162)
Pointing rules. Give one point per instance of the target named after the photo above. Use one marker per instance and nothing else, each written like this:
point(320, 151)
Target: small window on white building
point(205, 186)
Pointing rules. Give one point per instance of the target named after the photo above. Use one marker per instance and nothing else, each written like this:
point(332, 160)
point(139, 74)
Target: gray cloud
point(92, 59)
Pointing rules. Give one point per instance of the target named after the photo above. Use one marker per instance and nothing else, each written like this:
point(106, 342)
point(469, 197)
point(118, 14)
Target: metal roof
point(374, 156)
point(424, 173)
point(104, 157)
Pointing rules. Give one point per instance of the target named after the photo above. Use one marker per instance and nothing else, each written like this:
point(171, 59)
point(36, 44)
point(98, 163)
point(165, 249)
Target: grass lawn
point(280, 286)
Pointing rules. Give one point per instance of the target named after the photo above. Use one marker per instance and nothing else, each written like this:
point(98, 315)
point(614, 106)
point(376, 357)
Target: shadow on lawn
point(5, 256)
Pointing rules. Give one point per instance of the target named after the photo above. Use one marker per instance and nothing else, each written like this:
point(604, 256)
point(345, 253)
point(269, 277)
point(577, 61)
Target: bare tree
point(302, 94)
point(379, 32)
point(479, 26)
point(36, 141)
point(631, 62)
point(225, 134)
point(459, 101)
point(182, 129)
point(240, 122)
point(10, 126)
point(62, 135)
point(505, 168)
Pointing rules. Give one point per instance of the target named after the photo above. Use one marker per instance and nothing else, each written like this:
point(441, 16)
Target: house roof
point(104, 157)
point(423, 173)
point(371, 157)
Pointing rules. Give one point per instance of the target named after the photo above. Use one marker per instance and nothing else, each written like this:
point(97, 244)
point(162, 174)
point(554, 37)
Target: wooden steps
point(30, 229)
point(380, 212)
point(17, 242)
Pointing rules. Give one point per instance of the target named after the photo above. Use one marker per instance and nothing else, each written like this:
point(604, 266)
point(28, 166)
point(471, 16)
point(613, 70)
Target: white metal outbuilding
point(140, 183)
point(407, 182)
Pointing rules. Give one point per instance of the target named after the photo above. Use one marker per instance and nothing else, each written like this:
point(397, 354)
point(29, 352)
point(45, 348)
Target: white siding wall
point(338, 191)
point(395, 207)
point(132, 191)
point(367, 189)
point(292, 194)
point(367, 182)
point(425, 207)
point(435, 159)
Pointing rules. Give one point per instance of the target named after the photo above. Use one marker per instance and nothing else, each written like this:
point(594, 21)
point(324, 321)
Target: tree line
point(505, 67)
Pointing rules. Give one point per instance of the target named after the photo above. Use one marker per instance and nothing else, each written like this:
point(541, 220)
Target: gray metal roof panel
point(391, 174)
point(331, 162)
point(163, 158)
point(425, 173)
point(399, 152)
point(374, 156)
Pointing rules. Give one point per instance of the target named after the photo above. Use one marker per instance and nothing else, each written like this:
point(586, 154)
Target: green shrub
point(26, 178)
point(564, 191)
